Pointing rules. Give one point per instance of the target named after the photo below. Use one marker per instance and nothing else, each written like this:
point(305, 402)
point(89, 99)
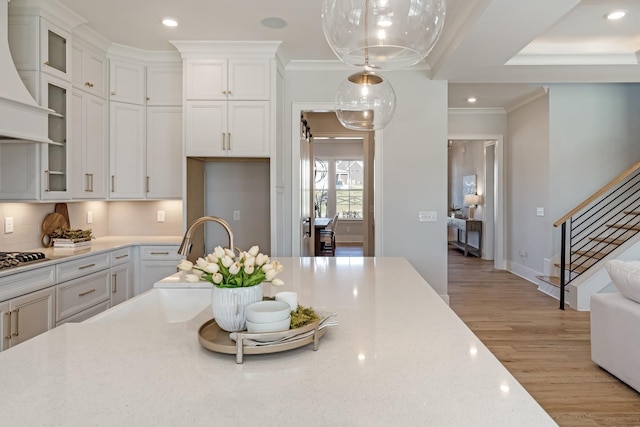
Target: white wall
point(413, 165)
point(528, 189)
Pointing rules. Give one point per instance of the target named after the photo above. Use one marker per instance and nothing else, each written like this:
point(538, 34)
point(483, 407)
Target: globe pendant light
point(365, 101)
point(393, 34)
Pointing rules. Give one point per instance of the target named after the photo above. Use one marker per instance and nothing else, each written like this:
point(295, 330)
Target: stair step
point(625, 226)
point(592, 254)
point(552, 280)
point(577, 268)
point(608, 240)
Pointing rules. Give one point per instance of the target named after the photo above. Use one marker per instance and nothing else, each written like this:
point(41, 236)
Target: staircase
point(602, 227)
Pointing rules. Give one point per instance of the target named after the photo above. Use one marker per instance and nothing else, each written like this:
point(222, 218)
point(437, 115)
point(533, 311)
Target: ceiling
point(500, 51)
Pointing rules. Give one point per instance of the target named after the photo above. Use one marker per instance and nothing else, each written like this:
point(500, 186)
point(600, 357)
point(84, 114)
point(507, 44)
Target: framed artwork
point(468, 185)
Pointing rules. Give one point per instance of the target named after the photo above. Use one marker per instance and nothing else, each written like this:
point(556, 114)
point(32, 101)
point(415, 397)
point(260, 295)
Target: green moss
point(303, 316)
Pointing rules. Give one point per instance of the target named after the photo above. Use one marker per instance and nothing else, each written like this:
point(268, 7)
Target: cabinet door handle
point(46, 180)
point(17, 332)
point(86, 293)
point(113, 183)
point(229, 141)
point(224, 137)
point(86, 266)
point(91, 178)
point(114, 281)
point(159, 253)
point(8, 327)
point(147, 184)
point(122, 256)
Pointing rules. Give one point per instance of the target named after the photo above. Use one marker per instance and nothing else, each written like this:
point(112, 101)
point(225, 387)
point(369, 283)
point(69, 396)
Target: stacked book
point(71, 243)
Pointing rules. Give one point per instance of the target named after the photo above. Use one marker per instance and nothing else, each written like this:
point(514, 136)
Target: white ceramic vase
point(228, 306)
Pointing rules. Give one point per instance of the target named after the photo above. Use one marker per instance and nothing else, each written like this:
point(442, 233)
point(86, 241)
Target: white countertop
point(100, 244)
point(399, 356)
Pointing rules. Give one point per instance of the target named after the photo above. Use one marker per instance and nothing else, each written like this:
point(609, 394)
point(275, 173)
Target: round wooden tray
point(215, 339)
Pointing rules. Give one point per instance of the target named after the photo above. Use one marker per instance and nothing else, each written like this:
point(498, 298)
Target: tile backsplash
point(109, 218)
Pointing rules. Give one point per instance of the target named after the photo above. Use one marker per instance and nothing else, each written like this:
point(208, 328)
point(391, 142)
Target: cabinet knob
point(113, 93)
point(46, 63)
point(224, 92)
point(148, 99)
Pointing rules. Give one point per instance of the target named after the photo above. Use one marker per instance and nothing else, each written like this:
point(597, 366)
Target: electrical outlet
point(89, 217)
point(427, 216)
point(236, 215)
point(8, 225)
point(540, 211)
point(160, 216)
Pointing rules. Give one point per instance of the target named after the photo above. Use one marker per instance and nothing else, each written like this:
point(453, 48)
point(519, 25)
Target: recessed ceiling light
point(170, 22)
point(616, 14)
point(274, 22)
point(471, 100)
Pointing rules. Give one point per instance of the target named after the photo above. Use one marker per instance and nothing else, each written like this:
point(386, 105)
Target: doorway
point(482, 156)
point(342, 186)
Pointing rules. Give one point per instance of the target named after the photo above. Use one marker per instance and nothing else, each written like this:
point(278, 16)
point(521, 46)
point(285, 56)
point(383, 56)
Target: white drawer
point(15, 285)
point(160, 253)
point(79, 294)
point(86, 314)
point(121, 256)
point(81, 267)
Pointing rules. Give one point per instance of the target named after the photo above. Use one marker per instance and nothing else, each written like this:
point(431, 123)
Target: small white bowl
point(267, 311)
point(280, 325)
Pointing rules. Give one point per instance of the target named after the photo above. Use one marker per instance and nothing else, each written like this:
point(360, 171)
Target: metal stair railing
point(598, 225)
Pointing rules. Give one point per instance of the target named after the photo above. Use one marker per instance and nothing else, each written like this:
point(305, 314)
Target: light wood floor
point(546, 349)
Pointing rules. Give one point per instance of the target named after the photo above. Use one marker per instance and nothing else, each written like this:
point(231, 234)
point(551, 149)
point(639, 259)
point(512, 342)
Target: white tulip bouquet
point(223, 269)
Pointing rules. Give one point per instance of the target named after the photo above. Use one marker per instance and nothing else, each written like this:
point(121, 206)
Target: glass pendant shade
point(365, 101)
point(382, 34)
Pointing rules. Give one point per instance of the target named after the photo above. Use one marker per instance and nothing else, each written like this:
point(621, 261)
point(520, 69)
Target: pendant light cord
point(366, 33)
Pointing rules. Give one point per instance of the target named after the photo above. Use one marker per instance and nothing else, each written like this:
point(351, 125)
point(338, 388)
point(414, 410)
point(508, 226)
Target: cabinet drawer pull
point(122, 256)
point(88, 84)
point(86, 293)
point(159, 253)
point(17, 332)
point(8, 327)
point(86, 266)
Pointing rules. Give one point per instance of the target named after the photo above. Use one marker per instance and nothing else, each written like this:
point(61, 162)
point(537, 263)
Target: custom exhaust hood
point(21, 118)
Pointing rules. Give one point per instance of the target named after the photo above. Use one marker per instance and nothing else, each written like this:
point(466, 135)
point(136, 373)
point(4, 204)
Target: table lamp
point(471, 200)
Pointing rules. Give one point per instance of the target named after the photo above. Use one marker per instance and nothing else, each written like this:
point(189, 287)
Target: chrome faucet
point(185, 246)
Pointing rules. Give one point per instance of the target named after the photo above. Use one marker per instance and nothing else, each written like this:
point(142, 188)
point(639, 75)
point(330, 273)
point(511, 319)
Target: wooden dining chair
point(328, 238)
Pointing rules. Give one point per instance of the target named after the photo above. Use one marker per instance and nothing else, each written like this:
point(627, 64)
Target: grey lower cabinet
point(156, 263)
point(26, 316)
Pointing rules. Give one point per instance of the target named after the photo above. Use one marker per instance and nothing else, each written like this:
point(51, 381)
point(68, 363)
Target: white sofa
point(615, 324)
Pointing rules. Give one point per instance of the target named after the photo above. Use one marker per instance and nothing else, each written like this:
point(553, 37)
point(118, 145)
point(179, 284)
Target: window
point(338, 188)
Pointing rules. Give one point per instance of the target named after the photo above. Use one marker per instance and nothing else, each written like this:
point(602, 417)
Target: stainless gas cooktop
point(17, 259)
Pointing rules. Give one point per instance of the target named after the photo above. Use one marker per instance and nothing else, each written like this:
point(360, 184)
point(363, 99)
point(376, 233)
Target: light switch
point(89, 217)
point(8, 225)
point(236, 215)
point(540, 211)
point(427, 216)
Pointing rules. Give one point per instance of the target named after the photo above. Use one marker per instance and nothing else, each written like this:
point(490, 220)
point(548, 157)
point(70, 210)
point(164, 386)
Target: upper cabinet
point(126, 81)
point(232, 79)
point(55, 50)
point(164, 84)
point(229, 100)
point(90, 70)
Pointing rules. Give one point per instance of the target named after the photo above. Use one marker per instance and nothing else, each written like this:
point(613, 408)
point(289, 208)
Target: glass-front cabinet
point(56, 96)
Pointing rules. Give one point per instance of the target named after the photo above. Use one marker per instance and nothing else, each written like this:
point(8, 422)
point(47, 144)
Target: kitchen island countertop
point(400, 356)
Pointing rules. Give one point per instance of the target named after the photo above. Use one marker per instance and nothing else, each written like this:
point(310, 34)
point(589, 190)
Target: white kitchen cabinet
point(121, 275)
point(90, 69)
point(164, 85)
point(55, 50)
point(55, 94)
point(227, 128)
point(126, 81)
point(164, 153)
point(90, 150)
point(126, 151)
point(156, 263)
point(228, 79)
point(77, 295)
point(27, 316)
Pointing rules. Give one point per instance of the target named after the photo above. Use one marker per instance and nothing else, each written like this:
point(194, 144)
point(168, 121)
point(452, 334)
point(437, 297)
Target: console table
point(466, 226)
